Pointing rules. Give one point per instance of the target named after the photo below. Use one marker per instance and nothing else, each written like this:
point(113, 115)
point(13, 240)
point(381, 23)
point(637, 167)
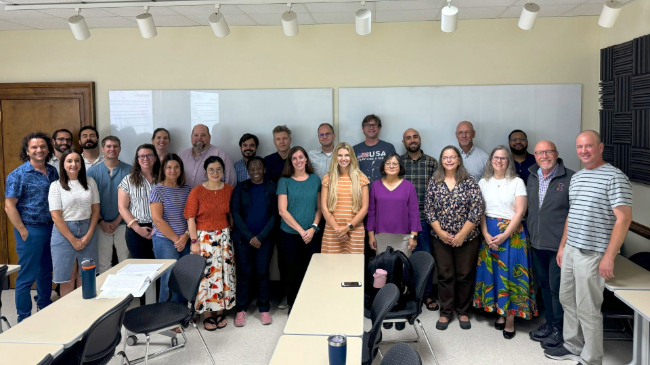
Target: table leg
point(150, 294)
point(645, 338)
point(640, 346)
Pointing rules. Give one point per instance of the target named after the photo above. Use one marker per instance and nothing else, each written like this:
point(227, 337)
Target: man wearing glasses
point(518, 142)
point(474, 158)
point(62, 139)
point(548, 182)
point(320, 158)
point(372, 151)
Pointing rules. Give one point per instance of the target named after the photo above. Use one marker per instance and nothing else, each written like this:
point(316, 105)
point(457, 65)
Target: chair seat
point(153, 317)
point(409, 310)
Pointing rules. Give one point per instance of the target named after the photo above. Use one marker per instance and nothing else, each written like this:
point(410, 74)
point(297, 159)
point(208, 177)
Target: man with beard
point(248, 145)
point(518, 142)
point(419, 168)
point(89, 142)
point(474, 158)
point(62, 139)
point(320, 158)
point(201, 149)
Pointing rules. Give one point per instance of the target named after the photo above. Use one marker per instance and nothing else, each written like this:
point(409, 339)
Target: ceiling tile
point(406, 16)
point(409, 5)
point(478, 13)
point(137, 10)
point(206, 9)
point(106, 1)
point(553, 2)
point(232, 20)
point(544, 11)
point(53, 23)
point(271, 9)
point(585, 9)
point(480, 3)
point(38, 1)
point(4, 25)
point(601, 2)
point(274, 19)
point(23, 14)
point(173, 21)
point(337, 7)
point(334, 18)
point(87, 13)
point(111, 22)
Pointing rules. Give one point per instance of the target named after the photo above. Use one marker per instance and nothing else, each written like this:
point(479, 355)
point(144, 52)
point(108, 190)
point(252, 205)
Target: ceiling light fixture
point(611, 11)
point(218, 23)
point(78, 26)
point(449, 18)
point(363, 20)
point(290, 22)
point(528, 16)
point(146, 24)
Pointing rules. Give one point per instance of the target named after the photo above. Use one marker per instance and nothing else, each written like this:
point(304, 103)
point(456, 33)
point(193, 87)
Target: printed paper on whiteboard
point(204, 108)
point(132, 109)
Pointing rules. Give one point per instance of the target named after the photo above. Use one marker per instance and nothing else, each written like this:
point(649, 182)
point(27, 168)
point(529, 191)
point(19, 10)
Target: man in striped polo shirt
point(600, 213)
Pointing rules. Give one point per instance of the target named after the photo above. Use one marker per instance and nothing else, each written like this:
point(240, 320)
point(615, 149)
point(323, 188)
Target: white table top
point(313, 350)
point(323, 307)
point(639, 300)
point(65, 321)
point(27, 353)
point(628, 276)
point(13, 269)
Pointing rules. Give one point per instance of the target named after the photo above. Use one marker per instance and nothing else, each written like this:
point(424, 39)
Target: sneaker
point(561, 353)
point(266, 318)
point(283, 304)
point(542, 332)
point(240, 319)
point(555, 339)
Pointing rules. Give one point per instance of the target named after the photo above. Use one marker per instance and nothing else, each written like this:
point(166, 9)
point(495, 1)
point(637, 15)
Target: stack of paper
point(131, 279)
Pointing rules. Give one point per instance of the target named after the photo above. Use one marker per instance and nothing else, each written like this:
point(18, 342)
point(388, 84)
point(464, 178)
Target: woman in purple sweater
point(393, 212)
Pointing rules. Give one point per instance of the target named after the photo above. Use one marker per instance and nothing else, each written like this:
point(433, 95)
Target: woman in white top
point(74, 205)
point(504, 282)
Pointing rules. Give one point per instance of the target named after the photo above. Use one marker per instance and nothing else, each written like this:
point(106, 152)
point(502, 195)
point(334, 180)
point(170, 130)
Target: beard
point(413, 148)
point(89, 145)
point(519, 152)
point(248, 153)
point(199, 146)
point(59, 147)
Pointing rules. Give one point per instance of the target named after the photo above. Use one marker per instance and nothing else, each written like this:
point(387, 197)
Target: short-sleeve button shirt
point(31, 188)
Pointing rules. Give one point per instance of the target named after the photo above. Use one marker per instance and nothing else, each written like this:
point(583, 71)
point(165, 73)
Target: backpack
point(399, 272)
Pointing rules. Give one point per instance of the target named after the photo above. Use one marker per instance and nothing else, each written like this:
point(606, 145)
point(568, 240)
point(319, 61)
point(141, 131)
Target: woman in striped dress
point(344, 202)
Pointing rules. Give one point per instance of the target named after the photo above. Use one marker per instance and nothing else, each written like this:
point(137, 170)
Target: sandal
point(429, 307)
point(220, 318)
point(211, 321)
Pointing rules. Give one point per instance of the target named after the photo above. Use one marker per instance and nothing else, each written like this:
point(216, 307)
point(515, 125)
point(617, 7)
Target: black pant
point(297, 255)
point(252, 260)
point(456, 275)
point(139, 247)
point(548, 277)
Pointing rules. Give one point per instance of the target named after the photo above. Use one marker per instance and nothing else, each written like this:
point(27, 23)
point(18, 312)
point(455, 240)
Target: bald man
point(201, 149)
point(419, 168)
point(474, 158)
point(600, 213)
point(548, 207)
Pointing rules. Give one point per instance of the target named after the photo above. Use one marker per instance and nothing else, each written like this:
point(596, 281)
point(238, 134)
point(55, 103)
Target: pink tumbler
point(379, 278)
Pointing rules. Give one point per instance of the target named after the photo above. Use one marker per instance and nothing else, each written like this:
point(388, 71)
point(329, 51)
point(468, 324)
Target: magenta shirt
point(395, 212)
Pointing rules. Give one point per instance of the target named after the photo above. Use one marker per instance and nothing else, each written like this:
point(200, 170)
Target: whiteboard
point(550, 112)
point(135, 114)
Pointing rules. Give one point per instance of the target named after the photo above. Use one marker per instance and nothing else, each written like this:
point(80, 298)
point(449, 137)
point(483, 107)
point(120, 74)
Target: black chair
point(384, 301)
point(422, 263)
point(47, 360)
point(97, 347)
point(3, 276)
point(184, 281)
point(401, 354)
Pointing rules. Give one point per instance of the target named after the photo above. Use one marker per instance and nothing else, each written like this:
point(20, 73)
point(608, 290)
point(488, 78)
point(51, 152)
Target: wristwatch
point(193, 241)
point(351, 226)
point(414, 236)
point(315, 227)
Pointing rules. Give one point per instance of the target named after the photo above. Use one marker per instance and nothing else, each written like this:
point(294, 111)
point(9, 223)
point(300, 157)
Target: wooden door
point(26, 108)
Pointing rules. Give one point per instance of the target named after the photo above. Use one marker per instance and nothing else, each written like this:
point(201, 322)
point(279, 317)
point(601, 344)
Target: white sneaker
point(283, 304)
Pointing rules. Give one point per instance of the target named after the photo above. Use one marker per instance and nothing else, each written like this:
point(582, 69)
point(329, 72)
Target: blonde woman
point(344, 202)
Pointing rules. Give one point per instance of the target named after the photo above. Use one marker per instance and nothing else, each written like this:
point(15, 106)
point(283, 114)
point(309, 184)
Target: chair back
point(105, 334)
point(47, 360)
point(384, 301)
point(3, 275)
point(186, 276)
point(642, 259)
point(422, 263)
point(401, 354)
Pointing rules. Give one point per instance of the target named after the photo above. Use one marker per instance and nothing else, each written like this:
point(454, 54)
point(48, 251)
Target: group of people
point(493, 222)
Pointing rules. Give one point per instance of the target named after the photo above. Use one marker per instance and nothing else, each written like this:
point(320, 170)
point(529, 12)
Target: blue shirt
point(371, 157)
point(274, 166)
point(522, 168)
point(241, 170)
point(257, 218)
point(107, 185)
point(302, 200)
point(31, 188)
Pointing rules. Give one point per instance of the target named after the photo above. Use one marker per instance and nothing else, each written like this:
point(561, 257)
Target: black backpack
point(399, 272)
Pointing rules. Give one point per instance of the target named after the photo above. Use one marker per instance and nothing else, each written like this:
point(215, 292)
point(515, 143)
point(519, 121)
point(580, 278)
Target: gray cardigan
point(546, 223)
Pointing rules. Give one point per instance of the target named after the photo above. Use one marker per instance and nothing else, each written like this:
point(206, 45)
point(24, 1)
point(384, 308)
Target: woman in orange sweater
point(208, 219)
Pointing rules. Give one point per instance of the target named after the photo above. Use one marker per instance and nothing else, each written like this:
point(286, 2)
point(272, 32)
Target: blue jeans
point(35, 260)
point(424, 244)
point(163, 248)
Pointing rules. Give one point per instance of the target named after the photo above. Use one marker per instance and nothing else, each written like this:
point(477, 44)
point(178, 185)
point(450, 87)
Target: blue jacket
point(240, 206)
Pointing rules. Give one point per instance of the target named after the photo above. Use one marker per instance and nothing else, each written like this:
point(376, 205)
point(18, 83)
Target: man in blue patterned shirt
point(28, 210)
point(248, 144)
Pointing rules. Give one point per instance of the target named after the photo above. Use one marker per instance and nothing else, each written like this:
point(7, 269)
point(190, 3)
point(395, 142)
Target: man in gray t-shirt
point(371, 152)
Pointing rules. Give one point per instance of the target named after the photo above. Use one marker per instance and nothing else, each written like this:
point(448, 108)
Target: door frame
point(82, 91)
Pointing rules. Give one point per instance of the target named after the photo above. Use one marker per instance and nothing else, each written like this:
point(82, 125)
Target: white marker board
point(550, 112)
point(135, 114)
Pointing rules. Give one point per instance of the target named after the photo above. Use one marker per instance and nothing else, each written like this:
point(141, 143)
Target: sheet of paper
point(147, 270)
point(123, 282)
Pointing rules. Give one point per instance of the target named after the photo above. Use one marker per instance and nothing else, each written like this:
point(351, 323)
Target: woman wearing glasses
point(133, 202)
point(504, 282)
point(454, 208)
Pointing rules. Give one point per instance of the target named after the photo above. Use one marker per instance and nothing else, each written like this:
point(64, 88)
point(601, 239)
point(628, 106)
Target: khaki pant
point(581, 295)
point(106, 243)
point(399, 242)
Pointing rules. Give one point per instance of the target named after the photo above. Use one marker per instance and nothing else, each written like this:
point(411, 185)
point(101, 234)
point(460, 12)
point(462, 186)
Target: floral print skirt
point(504, 277)
point(217, 288)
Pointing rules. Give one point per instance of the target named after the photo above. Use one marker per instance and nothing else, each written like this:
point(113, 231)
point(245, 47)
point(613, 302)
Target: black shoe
point(499, 326)
point(542, 332)
point(400, 326)
point(387, 325)
point(465, 324)
point(554, 340)
point(442, 325)
point(561, 353)
point(509, 335)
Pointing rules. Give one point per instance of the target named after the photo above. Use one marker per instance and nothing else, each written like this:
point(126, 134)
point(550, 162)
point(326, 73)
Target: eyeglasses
point(214, 171)
point(497, 158)
point(324, 135)
point(371, 125)
point(61, 139)
point(142, 157)
point(522, 139)
point(392, 164)
point(449, 158)
point(547, 152)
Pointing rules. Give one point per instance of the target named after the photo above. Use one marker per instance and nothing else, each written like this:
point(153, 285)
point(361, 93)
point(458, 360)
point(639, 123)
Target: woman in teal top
point(299, 206)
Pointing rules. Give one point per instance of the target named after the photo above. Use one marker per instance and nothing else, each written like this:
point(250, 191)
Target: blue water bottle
point(337, 349)
point(88, 279)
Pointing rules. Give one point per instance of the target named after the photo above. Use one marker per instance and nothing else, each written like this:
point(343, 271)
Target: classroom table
point(323, 306)
point(12, 269)
point(639, 300)
point(65, 321)
point(27, 353)
point(313, 350)
point(628, 276)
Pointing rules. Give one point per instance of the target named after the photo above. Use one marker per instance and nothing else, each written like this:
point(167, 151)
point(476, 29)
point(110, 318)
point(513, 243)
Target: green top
point(302, 200)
